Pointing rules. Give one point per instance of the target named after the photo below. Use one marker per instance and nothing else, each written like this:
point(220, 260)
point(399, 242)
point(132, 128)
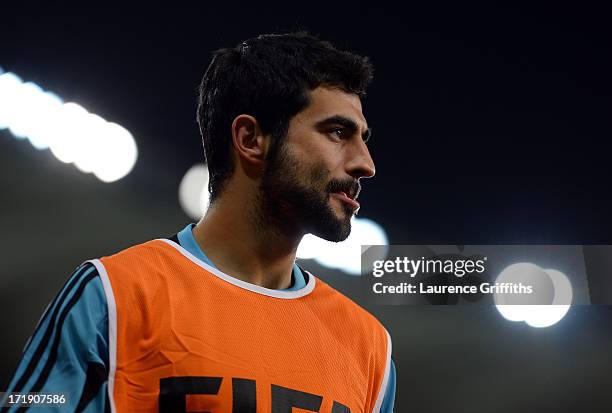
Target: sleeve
point(68, 351)
point(389, 399)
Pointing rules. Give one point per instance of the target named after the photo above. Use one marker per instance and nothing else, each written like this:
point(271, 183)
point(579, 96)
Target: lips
point(342, 196)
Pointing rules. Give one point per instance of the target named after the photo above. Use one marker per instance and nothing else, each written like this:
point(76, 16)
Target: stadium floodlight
point(9, 86)
point(72, 134)
point(193, 191)
point(120, 149)
point(547, 315)
point(345, 256)
point(553, 301)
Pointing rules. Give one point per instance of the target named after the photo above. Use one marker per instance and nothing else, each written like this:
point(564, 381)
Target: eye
point(338, 132)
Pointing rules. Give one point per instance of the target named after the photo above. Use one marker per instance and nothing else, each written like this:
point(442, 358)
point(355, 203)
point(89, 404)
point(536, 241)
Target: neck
point(233, 237)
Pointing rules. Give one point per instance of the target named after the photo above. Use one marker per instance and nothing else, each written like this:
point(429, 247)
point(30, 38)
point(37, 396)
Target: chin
point(336, 231)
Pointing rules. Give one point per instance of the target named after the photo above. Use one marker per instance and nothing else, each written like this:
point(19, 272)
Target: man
point(219, 317)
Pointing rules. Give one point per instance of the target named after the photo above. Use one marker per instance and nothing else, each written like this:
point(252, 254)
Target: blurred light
point(529, 275)
point(547, 315)
point(24, 101)
point(72, 134)
point(88, 150)
point(345, 256)
point(9, 85)
point(72, 123)
point(193, 191)
point(120, 150)
point(513, 312)
point(40, 134)
point(549, 310)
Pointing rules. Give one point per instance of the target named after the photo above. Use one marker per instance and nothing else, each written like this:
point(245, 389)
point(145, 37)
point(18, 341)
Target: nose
point(360, 163)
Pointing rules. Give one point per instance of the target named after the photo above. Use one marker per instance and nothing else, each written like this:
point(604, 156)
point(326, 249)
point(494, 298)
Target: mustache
point(350, 186)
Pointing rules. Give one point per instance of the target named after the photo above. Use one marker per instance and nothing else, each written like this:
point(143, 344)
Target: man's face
point(311, 183)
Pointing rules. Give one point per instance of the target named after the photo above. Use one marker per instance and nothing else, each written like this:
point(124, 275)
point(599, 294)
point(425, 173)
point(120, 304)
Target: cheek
point(319, 173)
point(315, 158)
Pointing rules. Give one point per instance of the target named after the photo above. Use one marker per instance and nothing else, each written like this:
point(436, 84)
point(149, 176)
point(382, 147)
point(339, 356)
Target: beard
point(294, 199)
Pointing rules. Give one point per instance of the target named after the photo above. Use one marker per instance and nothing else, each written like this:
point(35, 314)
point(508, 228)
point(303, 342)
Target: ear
point(250, 143)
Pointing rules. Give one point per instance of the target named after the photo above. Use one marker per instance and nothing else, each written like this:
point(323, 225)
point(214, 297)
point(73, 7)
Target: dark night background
point(491, 125)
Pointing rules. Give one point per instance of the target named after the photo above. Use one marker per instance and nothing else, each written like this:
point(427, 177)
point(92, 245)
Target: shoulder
point(141, 258)
point(140, 252)
point(80, 302)
point(139, 269)
point(82, 287)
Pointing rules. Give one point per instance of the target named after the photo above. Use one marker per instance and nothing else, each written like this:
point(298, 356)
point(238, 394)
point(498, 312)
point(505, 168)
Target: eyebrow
point(345, 122)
